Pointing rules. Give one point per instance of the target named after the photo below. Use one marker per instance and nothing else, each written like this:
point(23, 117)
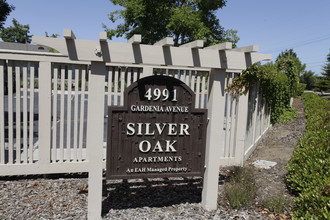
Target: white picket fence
point(47, 92)
point(53, 107)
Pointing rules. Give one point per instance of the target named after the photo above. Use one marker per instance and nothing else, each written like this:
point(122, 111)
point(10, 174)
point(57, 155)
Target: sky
point(274, 26)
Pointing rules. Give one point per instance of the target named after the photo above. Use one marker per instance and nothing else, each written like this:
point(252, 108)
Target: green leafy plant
point(277, 82)
point(301, 88)
point(274, 86)
point(287, 115)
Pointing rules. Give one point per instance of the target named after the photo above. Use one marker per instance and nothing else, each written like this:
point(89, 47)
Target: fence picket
point(136, 75)
point(182, 75)
point(227, 120)
point(110, 87)
point(235, 112)
point(25, 115)
point(82, 112)
point(68, 114)
point(54, 127)
point(192, 80)
point(61, 153)
point(10, 113)
point(232, 127)
point(2, 112)
point(18, 113)
point(116, 79)
point(75, 120)
point(203, 92)
point(31, 118)
point(198, 92)
point(122, 86)
point(186, 76)
point(129, 76)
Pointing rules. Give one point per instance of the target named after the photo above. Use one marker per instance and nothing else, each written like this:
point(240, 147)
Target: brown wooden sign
point(157, 133)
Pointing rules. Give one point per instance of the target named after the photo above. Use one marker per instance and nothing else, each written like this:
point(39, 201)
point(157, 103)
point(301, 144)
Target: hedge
point(309, 168)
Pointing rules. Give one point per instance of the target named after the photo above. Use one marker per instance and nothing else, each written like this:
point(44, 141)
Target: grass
point(276, 203)
point(240, 190)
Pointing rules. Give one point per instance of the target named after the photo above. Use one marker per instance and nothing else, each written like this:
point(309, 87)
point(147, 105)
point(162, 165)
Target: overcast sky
point(273, 25)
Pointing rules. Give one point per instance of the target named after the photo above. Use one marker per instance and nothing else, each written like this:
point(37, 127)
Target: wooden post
point(95, 121)
point(214, 143)
point(45, 111)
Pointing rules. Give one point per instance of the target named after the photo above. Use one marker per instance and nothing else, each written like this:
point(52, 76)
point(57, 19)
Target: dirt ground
point(276, 146)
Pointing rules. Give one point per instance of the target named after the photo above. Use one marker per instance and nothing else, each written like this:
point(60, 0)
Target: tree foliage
point(51, 35)
point(323, 82)
point(326, 67)
point(17, 33)
point(184, 20)
point(309, 78)
point(290, 54)
point(5, 10)
point(289, 67)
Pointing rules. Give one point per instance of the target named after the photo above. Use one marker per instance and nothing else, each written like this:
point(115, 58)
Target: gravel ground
point(65, 196)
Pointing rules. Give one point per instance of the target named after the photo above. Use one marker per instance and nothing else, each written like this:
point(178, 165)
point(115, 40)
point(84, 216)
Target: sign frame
point(126, 133)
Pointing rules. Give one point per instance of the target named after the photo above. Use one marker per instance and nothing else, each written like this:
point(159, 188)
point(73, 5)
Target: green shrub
point(309, 168)
point(287, 115)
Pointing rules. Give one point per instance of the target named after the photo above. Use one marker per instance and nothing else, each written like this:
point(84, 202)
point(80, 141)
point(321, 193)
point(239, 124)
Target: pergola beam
point(222, 46)
point(194, 44)
point(135, 39)
point(247, 49)
point(220, 56)
point(166, 42)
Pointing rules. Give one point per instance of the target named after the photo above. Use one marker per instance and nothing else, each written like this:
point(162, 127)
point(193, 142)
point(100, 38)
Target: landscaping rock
point(264, 164)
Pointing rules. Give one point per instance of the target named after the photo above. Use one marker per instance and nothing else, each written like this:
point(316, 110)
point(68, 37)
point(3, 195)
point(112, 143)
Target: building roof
point(24, 47)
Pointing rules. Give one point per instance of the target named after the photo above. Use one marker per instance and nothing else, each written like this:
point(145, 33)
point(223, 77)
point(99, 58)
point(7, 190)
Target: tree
point(17, 33)
point(289, 68)
point(326, 68)
point(184, 20)
point(309, 78)
point(323, 82)
point(5, 10)
point(292, 55)
point(51, 35)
